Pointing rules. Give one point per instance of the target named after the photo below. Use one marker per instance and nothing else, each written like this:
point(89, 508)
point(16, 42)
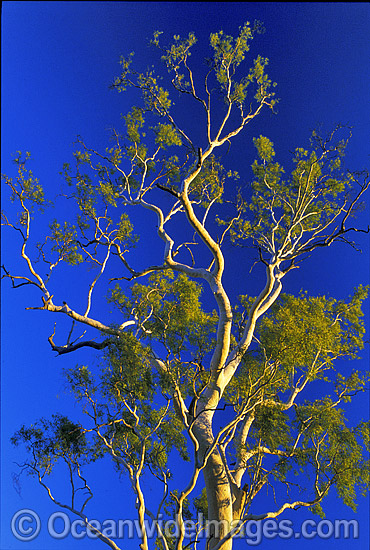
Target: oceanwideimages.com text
point(26, 525)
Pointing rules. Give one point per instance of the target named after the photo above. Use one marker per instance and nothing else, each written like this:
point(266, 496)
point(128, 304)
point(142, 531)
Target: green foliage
point(122, 82)
point(271, 426)
point(265, 149)
point(285, 213)
point(297, 342)
point(299, 335)
point(209, 185)
point(129, 373)
point(81, 382)
point(134, 122)
point(26, 186)
point(25, 190)
point(166, 135)
point(65, 245)
point(125, 230)
point(228, 54)
point(125, 407)
point(308, 332)
point(178, 51)
point(156, 98)
point(169, 310)
point(341, 449)
point(47, 441)
point(258, 75)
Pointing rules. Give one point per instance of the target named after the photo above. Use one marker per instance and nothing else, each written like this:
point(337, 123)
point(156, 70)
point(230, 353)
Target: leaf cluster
point(48, 441)
point(169, 309)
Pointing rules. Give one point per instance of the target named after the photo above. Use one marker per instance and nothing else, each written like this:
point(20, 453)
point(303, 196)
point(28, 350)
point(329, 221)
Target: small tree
point(224, 388)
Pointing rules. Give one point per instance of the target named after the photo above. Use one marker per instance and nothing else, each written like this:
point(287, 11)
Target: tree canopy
point(250, 392)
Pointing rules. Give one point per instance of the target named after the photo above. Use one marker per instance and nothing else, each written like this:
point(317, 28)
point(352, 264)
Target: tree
point(221, 388)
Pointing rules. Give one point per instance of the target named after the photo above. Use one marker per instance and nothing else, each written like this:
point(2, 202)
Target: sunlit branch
point(262, 303)
point(75, 511)
point(49, 306)
point(94, 282)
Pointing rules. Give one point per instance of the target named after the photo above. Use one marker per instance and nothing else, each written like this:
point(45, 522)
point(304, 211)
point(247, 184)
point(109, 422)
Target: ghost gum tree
point(224, 386)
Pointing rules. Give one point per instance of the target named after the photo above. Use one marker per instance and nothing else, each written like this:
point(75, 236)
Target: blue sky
point(58, 60)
